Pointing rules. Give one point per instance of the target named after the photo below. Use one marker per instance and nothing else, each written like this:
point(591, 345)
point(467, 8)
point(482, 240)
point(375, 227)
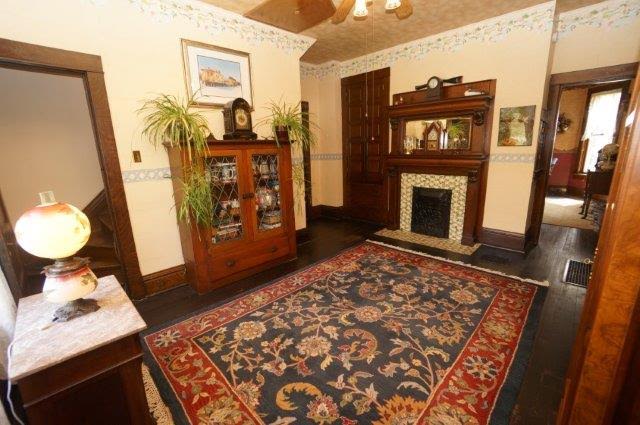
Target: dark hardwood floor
point(541, 390)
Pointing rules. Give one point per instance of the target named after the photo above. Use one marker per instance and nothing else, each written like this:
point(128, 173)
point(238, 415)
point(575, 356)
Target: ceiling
point(347, 40)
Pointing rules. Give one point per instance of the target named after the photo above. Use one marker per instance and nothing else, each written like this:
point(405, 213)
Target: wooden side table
point(85, 371)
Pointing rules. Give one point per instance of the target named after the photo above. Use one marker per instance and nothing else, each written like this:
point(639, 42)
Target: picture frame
point(516, 126)
point(216, 75)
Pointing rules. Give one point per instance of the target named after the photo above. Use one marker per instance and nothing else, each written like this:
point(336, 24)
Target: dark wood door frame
point(32, 57)
point(557, 83)
point(601, 385)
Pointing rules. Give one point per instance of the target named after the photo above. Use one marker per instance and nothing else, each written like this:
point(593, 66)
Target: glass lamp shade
point(70, 286)
point(392, 4)
point(54, 230)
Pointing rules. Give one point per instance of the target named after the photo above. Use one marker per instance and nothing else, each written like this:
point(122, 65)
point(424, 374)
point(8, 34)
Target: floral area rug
point(375, 335)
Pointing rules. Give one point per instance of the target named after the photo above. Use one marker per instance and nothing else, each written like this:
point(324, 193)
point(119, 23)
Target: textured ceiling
point(347, 40)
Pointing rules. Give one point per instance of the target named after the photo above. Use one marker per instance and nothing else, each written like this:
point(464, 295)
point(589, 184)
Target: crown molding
point(537, 19)
point(217, 21)
point(608, 14)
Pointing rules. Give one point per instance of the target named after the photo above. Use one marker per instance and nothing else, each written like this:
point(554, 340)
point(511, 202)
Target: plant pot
point(282, 134)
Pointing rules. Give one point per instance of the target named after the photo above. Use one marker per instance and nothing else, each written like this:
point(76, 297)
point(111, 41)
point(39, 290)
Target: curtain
point(7, 320)
point(601, 124)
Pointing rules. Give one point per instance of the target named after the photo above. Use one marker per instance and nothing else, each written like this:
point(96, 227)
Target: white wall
point(139, 43)
point(46, 141)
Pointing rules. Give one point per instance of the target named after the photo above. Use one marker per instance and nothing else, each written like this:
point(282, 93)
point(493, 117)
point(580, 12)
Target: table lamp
point(57, 231)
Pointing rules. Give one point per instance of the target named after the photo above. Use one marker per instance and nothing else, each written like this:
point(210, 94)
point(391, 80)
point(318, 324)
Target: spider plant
point(172, 120)
point(196, 201)
point(290, 118)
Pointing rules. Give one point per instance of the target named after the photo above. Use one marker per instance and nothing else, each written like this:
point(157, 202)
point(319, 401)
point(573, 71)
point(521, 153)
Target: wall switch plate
point(136, 156)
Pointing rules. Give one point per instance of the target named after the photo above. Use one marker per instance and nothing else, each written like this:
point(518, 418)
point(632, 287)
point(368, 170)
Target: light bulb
point(361, 9)
point(392, 4)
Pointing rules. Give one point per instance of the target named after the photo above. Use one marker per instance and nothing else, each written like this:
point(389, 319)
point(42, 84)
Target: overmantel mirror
point(439, 133)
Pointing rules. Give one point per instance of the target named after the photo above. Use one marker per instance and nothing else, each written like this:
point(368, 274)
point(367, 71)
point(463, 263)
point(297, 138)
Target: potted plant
point(170, 121)
point(289, 122)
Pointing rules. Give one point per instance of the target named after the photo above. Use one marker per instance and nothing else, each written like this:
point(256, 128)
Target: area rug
point(374, 335)
point(430, 241)
point(565, 211)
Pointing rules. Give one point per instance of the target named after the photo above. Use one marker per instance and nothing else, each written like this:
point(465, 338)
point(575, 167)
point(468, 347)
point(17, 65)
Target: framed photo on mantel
point(216, 75)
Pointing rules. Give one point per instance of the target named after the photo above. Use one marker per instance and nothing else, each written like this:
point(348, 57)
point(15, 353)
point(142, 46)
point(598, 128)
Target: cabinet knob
point(231, 263)
point(273, 249)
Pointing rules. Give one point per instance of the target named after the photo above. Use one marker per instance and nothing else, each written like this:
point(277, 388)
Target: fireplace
point(431, 211)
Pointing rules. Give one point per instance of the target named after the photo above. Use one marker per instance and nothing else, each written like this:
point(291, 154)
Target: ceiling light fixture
point(392, 4)
point(360, 10)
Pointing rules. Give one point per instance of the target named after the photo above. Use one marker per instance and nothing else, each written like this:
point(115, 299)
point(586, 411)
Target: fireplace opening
point(431, 211)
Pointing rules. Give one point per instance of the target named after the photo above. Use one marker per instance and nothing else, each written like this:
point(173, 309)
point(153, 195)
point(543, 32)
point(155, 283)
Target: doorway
point(584, 153)
point(74, 155)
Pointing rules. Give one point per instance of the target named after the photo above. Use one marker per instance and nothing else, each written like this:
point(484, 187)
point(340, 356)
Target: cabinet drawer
point(249, 256)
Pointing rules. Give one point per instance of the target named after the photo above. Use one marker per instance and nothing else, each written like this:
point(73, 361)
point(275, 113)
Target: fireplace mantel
point(474, 170)
point(471, 162)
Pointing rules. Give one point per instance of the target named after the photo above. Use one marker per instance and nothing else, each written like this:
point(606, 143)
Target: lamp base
point(75, 308)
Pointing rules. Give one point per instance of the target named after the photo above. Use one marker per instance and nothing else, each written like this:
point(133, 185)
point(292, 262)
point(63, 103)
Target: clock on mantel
point(237, 120)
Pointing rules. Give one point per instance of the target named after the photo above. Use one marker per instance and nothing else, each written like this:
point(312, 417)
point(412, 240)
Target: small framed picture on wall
point(216, 75)
point(516, 126)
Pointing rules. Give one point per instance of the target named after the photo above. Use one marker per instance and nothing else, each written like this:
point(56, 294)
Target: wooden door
point(365, 139)
point(603, 353)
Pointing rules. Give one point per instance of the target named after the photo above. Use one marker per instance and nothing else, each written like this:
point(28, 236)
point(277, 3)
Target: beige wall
point(140, 48)
point(573, 104)
point(605, 36)
point(46, 141)
point(516, 57)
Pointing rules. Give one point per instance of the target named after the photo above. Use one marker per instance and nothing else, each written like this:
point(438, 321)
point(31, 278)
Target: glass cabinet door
point(222, 172)
point(266, 183)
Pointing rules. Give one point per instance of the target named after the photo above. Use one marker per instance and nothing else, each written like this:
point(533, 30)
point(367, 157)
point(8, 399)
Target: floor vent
point(577, 272)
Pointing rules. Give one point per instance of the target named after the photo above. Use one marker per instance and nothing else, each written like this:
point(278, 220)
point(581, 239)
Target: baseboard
point(503, 239)
point(328, 211)
point(302, 236)
point(164, 280)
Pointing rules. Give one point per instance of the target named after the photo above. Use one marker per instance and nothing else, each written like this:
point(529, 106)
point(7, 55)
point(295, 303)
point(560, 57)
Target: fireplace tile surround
point(458, 187)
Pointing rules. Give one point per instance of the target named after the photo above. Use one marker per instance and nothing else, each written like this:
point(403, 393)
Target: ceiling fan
point(402, 8)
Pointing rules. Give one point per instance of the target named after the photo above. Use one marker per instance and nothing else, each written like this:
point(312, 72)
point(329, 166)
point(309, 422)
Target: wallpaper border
point(215, 21)
point(608, 14)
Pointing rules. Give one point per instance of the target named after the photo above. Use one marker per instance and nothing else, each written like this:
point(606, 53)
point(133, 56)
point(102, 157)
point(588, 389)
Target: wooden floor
point(541, 390)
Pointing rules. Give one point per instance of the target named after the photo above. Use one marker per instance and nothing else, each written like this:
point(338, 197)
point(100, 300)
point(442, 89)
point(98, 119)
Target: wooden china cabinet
point(254, 226)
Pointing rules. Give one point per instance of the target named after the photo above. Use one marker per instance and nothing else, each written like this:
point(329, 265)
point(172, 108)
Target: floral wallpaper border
point(147, 174)
point(538, 18)
point(215, 21)
point(511, 157)
point(326, 156)
point(608, 14)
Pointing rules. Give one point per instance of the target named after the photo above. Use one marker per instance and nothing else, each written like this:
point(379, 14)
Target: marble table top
point(40, 344)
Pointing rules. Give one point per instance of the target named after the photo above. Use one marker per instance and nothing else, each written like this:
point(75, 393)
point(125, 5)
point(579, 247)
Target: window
point(602, 117)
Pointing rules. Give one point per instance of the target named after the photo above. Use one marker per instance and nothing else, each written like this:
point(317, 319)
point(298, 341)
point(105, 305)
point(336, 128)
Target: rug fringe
point(544, 283)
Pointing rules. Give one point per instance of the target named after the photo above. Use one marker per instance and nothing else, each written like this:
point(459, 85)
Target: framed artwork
point(516, 126)
point(216, 75)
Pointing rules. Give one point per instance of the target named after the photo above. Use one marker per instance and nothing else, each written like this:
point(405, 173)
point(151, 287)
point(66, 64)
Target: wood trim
point(558, 82)
point(302, 236)
point(332, 212)
point(164, 280)
point(89, 67)
point(609, 328)
point(503, 239)
point(625, 71)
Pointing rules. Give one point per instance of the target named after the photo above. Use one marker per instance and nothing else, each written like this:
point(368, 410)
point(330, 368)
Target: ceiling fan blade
point(404, 10)
point(342, 11)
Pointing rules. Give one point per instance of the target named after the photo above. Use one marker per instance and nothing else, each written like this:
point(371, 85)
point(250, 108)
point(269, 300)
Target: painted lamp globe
point(57, 231)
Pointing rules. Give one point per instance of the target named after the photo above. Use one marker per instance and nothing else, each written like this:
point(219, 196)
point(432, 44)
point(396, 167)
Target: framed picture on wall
point(216, 75)
point(516, 126)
